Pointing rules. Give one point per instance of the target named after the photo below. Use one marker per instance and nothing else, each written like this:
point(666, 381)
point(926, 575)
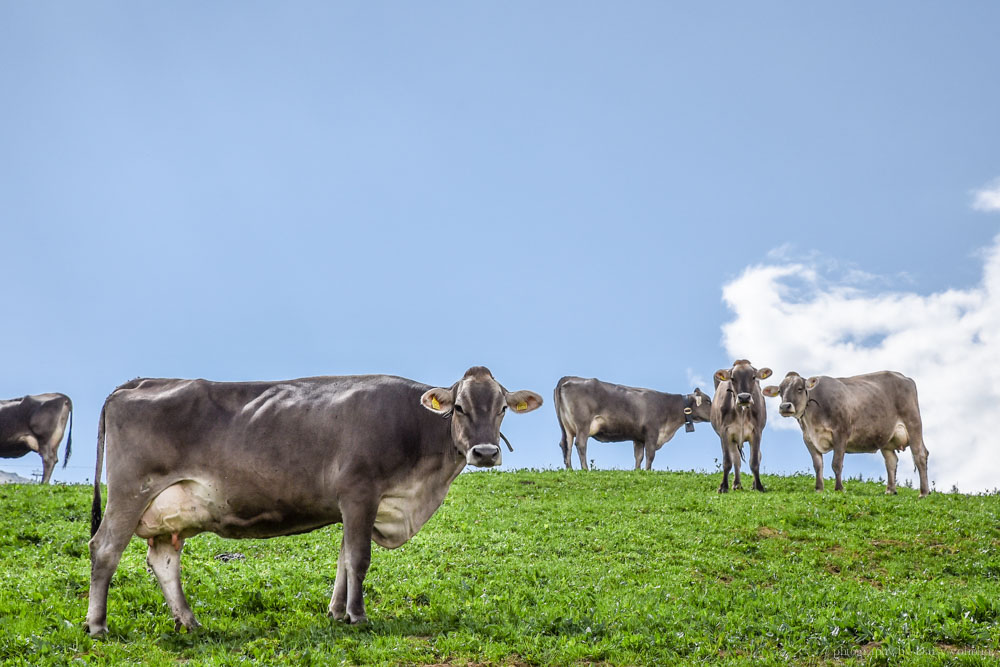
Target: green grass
point(545, 567)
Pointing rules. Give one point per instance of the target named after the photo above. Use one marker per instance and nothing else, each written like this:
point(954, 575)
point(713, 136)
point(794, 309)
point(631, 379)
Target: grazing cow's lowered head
point(476, 405)
point(794, 392)
point(742, 378)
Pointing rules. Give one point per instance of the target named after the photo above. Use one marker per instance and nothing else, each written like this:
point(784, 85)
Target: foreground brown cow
point(738, 416)
point(864, 413)
point(36, 424)
point(617, 413)
point(261, 459)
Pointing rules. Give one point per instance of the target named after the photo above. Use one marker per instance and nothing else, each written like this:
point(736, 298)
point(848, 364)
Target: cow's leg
point(581, 449)
point(891, 459)
point(639, 450)
point(755, 462)
point(839, 449)
point(165, 561)
point(566, 445)
point(736, 454)
point(359, 520)
point(727, 464)
point(920, 454)
point(50, 457)
point(650, 452)
point(817, 465)
point(338, 603)
point(106, 547)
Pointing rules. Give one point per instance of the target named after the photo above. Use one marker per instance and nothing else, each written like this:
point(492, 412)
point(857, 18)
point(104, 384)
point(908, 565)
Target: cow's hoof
point(924, 494)
point(189, 624)
point(723, 489)
point(737, 487)
point(357, 620)
point(760, 488)
point(890, 492)
point(96, 630)
point(339, 614)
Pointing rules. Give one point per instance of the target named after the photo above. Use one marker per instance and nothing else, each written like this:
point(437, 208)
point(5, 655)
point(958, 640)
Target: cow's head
point(794, 392)
point(476, 405)
point(742, 378)
point(700, 405)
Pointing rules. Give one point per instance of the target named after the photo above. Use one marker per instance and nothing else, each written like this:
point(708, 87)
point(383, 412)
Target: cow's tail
point(69, 440)
point(564, 443)
point(95, 508)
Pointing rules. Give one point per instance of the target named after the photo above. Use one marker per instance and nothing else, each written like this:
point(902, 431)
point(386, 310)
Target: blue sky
point(262, 190)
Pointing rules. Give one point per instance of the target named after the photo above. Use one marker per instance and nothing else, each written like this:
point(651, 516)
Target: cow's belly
point(196, 506)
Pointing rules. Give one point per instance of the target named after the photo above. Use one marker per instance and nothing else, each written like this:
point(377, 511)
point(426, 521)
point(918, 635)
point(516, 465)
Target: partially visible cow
point(36, 424)
point(738, 416)
point(261, 459)
point(590, 408)
point(864, 413)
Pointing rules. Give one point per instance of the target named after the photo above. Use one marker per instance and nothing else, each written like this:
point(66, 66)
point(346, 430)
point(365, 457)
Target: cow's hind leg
point(106, 547)
point(581, 449)
point(165, 562)
point(566, 445)
point(839, 449)
point(650, 452)
point(338, 602)
point(50, 456)
point(920, 454)
point(891, 459)
point(639, 450)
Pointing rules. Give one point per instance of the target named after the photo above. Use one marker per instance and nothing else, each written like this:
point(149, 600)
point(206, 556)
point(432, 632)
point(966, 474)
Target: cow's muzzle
point(483, 456)
point(786, 409)
point(743, 398)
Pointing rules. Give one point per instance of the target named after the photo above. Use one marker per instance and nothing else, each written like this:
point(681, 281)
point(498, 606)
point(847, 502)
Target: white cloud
point(792, 317)
point(987, 198)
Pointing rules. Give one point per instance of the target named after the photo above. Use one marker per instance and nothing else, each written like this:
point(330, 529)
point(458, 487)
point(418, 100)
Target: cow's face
point(476, 405)
point(700, 405)
point(742, 378)
point(794, 392)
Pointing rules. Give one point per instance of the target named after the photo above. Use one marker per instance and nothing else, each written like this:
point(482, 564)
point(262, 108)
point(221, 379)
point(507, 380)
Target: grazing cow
point(738, 416)
point(36, 424)
point(864, 413)
point(261, 459)
point(616, 413)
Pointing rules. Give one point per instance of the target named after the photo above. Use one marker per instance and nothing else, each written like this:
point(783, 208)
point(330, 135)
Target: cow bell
point(689, 427)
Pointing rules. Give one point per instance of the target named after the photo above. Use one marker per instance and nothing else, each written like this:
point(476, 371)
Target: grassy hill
point(545, 567)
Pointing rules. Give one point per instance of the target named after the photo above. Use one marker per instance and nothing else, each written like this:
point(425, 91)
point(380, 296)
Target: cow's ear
point(698, 397)
point(438, 400)
point(811, 382)
point(523, 401)
point(763, 373)
point(770, 391)
point(721, 375)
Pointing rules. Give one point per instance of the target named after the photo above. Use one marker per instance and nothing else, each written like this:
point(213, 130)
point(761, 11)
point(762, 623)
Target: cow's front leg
point(359, 520)
point(817, 465)
point(891, 461)
point(755, 463)
point(165, 561)
point(736, 455)
point(338, 602)
point(726, 465)
point(838, 465)
point(650, 452)
point(639, 450)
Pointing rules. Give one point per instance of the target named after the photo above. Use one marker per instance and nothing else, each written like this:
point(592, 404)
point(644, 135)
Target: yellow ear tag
point(435, 404)
point(522, 406)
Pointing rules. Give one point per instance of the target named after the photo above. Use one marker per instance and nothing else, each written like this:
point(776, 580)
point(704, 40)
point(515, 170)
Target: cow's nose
point(484, 456)
point(786, 408)
point(743, 398)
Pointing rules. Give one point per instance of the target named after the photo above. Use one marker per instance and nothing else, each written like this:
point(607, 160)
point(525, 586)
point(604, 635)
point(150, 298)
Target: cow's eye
point(459, 410)
point(503, 409)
